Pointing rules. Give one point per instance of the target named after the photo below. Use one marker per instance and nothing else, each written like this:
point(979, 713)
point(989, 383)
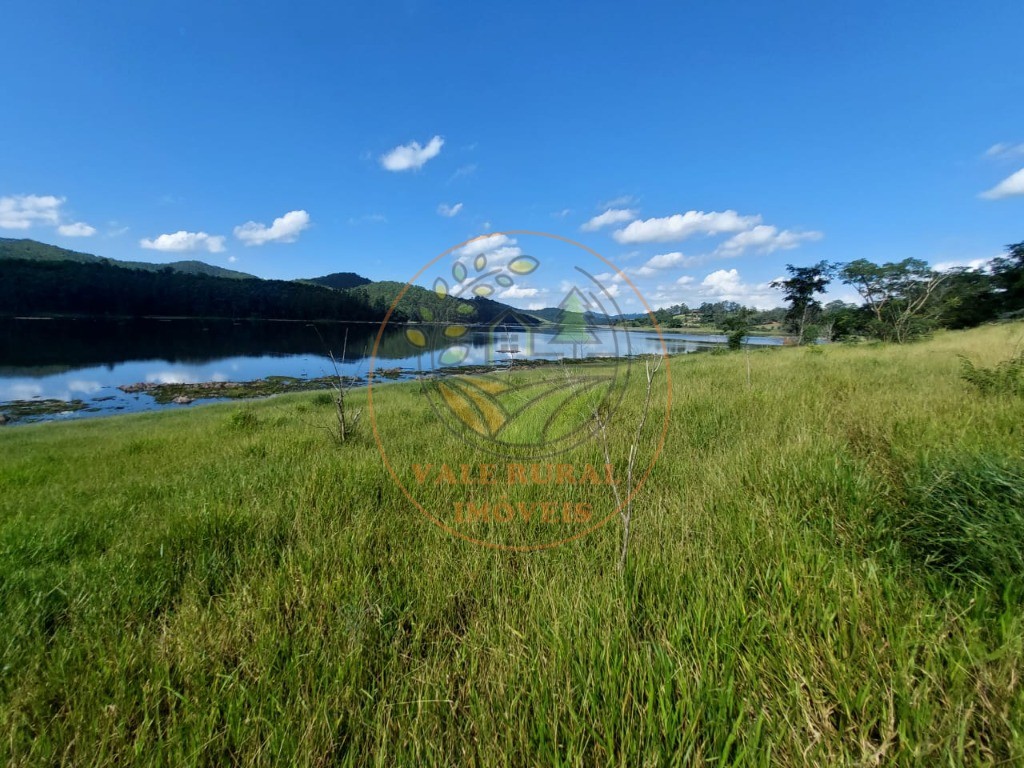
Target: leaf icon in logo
point(523, 265)
point(455, 331)
point(504, 281)
point(480, 263)
point(454, 355)
point(459, 271)
point(440, 288)
point(416, 337)
point(465, 309)
point(483, 290)
point(426, 314)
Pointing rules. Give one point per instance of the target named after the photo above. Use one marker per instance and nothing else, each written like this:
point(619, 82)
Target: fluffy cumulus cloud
point(24, 211)
point(727, 285)
point(974, 265)
point(680, 226)
point(411, 156)
point(764, 239)
point(285, 229)
point(521, 292)
point(1008, 187)
point(76, 229)
point(185, 241)
point(449, 210)
point(669, 260)
point(608, 218)
point(486, 244)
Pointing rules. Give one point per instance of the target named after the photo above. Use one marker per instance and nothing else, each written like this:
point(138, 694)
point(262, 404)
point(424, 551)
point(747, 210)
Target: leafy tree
point(968, 299)
point(840, 320)
point(800, 290)
point(901, 296)
point(1008, 279)
point(737, 326)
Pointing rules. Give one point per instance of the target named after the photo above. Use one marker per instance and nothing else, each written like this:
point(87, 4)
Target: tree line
point(902, 300)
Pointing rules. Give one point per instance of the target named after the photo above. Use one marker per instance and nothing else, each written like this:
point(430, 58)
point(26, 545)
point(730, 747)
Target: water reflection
point(87, 359)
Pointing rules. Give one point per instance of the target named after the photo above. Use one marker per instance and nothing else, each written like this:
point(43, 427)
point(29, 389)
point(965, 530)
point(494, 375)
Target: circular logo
point(539, 412)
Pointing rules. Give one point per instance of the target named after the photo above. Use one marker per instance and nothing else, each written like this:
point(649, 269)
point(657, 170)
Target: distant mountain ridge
point(339, 280)
point(372, 297)
point(33, 250)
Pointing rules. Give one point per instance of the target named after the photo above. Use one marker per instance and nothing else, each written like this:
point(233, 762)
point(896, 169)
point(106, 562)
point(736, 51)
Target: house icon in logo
point(509, 337)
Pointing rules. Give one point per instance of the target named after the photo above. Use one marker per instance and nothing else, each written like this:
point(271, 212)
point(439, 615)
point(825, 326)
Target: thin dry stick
point(627, 513)
point(340, 391)
point(625, 508)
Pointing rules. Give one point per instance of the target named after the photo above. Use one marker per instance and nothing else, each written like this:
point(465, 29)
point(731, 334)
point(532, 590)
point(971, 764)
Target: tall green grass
point(821, 573)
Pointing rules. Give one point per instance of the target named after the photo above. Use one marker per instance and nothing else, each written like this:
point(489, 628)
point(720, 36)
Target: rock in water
point(182, 400)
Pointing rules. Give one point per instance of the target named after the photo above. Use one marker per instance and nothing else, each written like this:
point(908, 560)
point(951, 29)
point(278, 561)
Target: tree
point(800, 290)
point(737, 325)
point(1008, 278)
point(901, 296)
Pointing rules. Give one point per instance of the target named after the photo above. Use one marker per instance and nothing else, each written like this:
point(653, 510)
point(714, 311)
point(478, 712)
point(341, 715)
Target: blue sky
point(728, 138)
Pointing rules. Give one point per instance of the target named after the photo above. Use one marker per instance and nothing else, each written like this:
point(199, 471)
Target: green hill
point(32, 250)
point(422, 304)
point(339, 280)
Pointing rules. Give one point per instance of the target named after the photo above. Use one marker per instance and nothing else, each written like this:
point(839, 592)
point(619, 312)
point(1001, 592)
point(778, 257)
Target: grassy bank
point(228, 585)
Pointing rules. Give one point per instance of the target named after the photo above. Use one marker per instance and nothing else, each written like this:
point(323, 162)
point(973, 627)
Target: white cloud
point(76, 229)
point(668, 260)
point(24, 211)
point(411, 156)
point(285, 229)
point(683, 225)
point(521, 292)
point(485, 244)
point(727, 285)
point(685, 280)
point(971, 264)
point(232, 259)
point(764, 239)
point(185, 241)
point(1004, 149)
point(1008, 187)
point(608, 218)
point(561, 214)
point(449, 210)
point(622, 201)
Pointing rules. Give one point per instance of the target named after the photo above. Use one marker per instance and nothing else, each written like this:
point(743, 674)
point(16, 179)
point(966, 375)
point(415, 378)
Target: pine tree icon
point(572, 327)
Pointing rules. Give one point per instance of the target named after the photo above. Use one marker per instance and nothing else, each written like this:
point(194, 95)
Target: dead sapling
point(347, 420)
point(624, 495)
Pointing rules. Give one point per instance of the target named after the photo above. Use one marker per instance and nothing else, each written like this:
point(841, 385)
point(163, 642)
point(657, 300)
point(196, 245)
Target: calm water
point(88, 359)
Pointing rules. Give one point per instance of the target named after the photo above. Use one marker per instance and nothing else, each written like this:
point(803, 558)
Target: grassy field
point(825, 570)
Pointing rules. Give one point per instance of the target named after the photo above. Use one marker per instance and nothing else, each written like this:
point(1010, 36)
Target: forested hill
point(339, 280)
point(100, 289)
point(33, 250)
point(41, 279)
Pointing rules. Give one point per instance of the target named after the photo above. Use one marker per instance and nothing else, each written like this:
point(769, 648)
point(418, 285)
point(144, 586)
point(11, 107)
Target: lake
point(83, 362)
